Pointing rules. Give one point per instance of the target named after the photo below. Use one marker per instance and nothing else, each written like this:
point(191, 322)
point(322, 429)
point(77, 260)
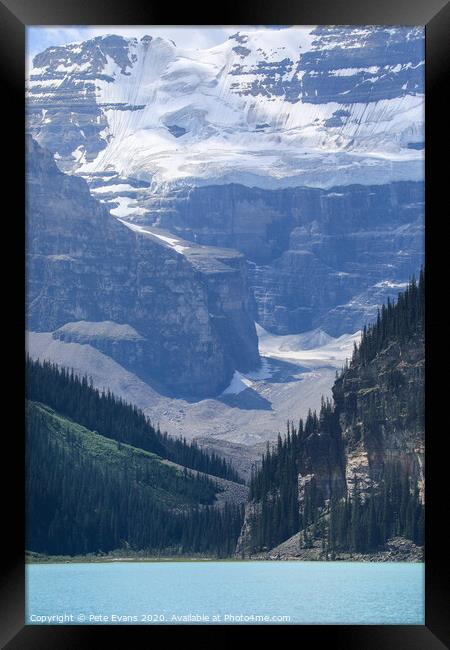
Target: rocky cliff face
point(375, 427)
point(180, 320)
point(302, 148)
point(381, 406)
point(316, 258)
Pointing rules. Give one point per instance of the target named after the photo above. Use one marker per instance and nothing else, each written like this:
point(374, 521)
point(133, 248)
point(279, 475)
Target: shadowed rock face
point(186, 325)
point(193, 140)
point(379, 426)
point(317, 258)
point(378, 61)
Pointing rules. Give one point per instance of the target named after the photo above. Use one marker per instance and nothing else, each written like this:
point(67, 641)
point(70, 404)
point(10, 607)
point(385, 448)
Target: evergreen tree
point(112, 417)
point(365, 519)
point(77, 504)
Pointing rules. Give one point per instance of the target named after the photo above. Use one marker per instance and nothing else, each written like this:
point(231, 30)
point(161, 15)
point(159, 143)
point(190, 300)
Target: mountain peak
point(268, 108)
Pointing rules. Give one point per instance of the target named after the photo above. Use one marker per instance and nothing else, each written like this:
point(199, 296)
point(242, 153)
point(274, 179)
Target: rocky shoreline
point(397, 549)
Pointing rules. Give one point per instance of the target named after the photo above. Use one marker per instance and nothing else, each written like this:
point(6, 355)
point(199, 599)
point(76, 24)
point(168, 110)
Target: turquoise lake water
point(225, 593)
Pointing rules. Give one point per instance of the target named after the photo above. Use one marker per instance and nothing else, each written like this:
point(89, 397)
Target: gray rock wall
point(193, 320)
point(316, 258)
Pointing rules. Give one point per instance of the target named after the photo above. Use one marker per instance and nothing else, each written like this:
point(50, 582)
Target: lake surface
point(225, 592)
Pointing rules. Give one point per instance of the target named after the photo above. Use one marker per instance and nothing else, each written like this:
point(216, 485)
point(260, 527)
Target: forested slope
point(103, 412)
point(98, 489)
point(351, 477)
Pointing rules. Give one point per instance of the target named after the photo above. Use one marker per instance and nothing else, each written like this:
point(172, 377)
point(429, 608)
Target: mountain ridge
point(352, 93)
point(90, 494)
point(301, 148)
point(348, 479)
point(192, 324)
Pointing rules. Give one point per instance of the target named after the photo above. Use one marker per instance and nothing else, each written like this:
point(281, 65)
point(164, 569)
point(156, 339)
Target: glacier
point(313, 107)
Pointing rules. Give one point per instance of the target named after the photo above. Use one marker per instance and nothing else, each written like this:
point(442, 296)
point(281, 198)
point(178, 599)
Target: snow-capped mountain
point(303, 106)
point(302, 148)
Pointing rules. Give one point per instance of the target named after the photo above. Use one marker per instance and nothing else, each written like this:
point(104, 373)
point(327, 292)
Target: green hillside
point(76, 398)
point(163, 482)
point(87, 493)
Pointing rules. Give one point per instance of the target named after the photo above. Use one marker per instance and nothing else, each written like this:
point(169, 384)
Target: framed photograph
point(224, 270)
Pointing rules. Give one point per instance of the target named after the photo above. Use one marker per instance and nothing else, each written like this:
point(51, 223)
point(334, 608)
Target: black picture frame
point(15, 15)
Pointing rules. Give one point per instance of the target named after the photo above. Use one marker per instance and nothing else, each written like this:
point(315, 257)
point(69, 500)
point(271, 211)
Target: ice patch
point(314, 347)
point(307, 341)
point(121, 187)
point(238, 384)
point(241, 381)
point(390, 284)
point(173, 243)
point(79, 154)
point(126, 206)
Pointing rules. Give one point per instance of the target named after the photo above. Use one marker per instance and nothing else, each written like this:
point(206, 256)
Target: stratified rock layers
point(191, 323)
point(302, 148)
point(317, 258)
